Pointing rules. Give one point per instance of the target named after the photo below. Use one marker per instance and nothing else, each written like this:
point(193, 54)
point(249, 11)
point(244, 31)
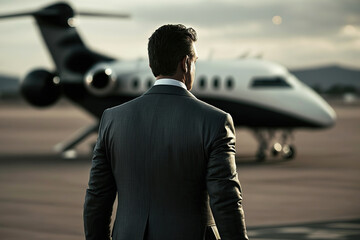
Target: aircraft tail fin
point(57, 25)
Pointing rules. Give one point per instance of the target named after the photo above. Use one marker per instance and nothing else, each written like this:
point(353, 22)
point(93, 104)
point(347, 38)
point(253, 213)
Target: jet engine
point(41, 88)
point(100, 81)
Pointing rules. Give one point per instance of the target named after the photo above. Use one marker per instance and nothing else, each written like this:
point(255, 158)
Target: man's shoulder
point(208, 108)
point(125, 105)
point(190, 102)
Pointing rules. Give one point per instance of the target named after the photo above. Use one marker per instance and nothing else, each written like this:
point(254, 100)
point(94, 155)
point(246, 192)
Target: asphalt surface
point(314, 196)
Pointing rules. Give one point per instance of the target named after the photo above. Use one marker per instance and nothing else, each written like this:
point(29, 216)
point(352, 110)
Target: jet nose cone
point(322, 114)
point(328, 118)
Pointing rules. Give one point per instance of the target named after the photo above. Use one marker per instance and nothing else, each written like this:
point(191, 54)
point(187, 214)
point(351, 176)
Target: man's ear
point(184, 63)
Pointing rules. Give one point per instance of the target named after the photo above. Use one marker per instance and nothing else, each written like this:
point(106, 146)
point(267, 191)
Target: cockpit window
point(269, 82)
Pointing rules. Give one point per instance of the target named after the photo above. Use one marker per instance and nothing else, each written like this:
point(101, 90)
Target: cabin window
point(229, 83)
point(135, 83)
point(269, 82)
point(202, 82)
point(149, 82)
point(216, 82)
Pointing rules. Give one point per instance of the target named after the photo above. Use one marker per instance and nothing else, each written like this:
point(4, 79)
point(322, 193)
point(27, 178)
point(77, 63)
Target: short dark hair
point(168, 45)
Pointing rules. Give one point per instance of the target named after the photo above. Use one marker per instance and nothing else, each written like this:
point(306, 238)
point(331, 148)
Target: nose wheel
point(288, 152)
point(282, 148)
point(276, 149)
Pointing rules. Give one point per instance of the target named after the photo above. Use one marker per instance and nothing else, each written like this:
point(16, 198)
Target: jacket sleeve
point(101, 191)
point(223, 184)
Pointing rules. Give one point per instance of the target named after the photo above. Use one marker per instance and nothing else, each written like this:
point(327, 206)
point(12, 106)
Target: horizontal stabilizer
point(58, 9)
point(17, 15)
point(111, 15)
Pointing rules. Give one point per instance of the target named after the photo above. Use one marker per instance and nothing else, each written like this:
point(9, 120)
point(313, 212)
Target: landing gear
point(263, 138)
point(280, 148)
point(69, 154)
point(260, 156)
point(66, 148)
point(288, 152)
point(276, 149)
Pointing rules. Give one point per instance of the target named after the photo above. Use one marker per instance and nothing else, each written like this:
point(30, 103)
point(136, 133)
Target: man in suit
point(168, 156)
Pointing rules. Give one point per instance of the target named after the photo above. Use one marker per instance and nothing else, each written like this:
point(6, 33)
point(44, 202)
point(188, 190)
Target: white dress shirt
point(169, 81)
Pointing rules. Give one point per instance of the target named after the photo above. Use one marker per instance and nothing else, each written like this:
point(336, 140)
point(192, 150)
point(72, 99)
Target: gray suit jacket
point(165, 154)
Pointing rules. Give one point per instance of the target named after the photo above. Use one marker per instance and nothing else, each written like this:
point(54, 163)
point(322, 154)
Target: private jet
point(260, 95)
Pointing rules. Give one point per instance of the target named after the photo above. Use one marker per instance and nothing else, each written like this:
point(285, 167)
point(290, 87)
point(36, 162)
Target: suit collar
point(169, 89)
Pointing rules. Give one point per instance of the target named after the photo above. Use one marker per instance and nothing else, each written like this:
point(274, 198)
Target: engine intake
point(101, 81)
point(41, 88)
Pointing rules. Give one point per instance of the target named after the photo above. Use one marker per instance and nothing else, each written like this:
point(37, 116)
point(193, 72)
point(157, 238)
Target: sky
point(294, 33)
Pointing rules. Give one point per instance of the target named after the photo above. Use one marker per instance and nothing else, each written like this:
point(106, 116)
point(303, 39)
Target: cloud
point(299, 18)
point(310, 32)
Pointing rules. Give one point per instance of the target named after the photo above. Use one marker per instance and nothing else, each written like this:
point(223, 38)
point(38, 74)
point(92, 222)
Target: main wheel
point(288, 152)
point(69, 154)
point(276, 149)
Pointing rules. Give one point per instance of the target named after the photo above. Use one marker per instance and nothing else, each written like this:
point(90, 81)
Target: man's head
point(172, 53)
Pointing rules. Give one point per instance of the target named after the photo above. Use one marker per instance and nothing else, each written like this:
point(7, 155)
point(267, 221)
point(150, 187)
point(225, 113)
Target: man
point(166, 154)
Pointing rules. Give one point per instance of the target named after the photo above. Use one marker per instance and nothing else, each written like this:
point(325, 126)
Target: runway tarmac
point(315, 196)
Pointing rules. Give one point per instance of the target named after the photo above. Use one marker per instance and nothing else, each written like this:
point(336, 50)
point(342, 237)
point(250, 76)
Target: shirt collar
point(169, 81)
